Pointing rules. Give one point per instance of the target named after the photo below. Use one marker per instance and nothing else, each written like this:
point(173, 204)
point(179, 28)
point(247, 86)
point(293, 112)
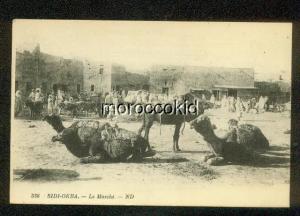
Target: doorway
point(232, 93)
point(165, 91)
point(55, 88)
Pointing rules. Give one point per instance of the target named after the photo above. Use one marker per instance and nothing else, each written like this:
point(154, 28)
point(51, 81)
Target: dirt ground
point(32, 149)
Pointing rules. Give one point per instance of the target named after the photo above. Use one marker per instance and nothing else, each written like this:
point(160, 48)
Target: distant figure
point(253, 106)
point(266, 98)
point(18, 102)
point(154, 99)
point(60, 97)
point(203, 97)
point(231, 104)
point(239, 108)
point(161, 98)
point(123, 94)
point(71, 99)
point(139, 98)
point(38, 96)
point(115, 98)
point(108, 98)
point(246, 105)
point(224, 102)
point(50, 104)
point(261, 104)
point(32, 95)
point(212, 99)
point(145, 97)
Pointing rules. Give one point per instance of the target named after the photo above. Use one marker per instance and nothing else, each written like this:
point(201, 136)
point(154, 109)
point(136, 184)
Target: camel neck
point(210, 136)
point(213, 141)
point(59, 127)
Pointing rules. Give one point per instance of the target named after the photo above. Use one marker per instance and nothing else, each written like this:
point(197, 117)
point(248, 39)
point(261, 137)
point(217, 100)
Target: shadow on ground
point(279, 148)
point(41, 175)
point(272, 161)
point(45, 174)
point(182, 151)
point(164, 160)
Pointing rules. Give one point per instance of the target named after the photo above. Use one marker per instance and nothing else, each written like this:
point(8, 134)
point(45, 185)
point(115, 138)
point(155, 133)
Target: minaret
point(36, 53)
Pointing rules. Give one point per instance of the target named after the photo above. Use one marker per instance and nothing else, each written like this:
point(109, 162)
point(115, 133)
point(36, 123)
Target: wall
point(181, 79)
point(247, 93)
point(166, 77)
point(44, 71)
point(124, 80)
point(97, 74)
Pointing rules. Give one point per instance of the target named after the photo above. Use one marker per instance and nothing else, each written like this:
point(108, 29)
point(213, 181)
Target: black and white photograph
point(151, 113)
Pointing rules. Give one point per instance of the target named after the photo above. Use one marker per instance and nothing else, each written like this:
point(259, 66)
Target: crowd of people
point(232, 104)
point(52, 100)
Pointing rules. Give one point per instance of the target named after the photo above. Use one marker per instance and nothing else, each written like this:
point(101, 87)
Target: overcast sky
point(138, 45)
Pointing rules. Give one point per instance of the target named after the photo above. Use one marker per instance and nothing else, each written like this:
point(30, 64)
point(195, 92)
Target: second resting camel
point(239, 145)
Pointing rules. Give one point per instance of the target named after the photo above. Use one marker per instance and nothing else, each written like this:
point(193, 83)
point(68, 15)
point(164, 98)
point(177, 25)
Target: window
point(55, 88)
point(101, 70)
point(92, 87)
point(165, 91)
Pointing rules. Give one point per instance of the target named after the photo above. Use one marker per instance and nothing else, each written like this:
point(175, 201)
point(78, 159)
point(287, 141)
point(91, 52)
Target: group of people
point(35, 96)
point(232, 104)
point(227, 103)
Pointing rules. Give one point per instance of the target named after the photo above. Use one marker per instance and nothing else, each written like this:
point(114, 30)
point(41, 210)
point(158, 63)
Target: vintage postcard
point(151, 113)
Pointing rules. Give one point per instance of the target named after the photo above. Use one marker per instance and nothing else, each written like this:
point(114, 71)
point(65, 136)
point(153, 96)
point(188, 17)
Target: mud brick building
point(101, 77)
point(168, 79)
point(97, 76)
point(50, 73)
point(277, 91)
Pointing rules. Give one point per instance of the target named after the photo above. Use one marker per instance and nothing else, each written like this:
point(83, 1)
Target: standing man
point(18, 103)
point(32, 95)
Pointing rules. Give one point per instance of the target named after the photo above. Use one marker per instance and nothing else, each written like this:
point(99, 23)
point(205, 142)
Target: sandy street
point(32, 149)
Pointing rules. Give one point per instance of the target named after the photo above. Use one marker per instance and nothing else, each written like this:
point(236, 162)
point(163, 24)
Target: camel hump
point(252, 137)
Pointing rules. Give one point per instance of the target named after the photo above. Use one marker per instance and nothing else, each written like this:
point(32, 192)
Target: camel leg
point(207, 157)
point(93, 149)
point(99, 158)
point(141, 129)
point(147, 130)
point(176, 137)
point(215, 161)
point(33, 115)
point(136, 151)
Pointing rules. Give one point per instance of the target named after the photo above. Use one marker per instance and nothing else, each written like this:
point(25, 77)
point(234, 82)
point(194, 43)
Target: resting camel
point(234, 147)
point(173, 119)
point(96, 142)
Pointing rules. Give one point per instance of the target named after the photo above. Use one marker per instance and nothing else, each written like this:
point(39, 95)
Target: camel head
point(232, 123)
point(202, 125)
point(55, 122)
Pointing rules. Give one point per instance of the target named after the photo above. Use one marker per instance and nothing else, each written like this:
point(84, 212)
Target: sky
point(137, 45)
